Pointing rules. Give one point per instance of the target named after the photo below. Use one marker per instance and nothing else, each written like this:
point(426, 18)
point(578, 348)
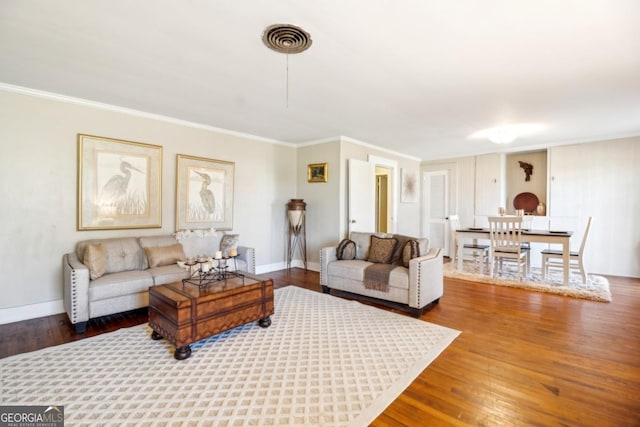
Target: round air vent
point(285, 38)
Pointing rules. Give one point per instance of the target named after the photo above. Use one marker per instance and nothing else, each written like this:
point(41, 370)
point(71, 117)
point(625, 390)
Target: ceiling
point(413, 76)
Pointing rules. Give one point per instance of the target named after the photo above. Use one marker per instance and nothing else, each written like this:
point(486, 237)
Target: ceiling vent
point(285, 38)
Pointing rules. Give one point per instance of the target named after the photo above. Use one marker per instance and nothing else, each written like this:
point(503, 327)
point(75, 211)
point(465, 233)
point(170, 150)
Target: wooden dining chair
point(478, 252)
point(505, 233)
point(552, 258)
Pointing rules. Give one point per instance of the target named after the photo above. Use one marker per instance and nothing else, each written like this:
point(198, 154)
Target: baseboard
point(267, 268)
point(31, 311)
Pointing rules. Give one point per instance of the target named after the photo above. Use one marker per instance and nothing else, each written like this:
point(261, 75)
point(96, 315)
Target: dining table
point(561, 237)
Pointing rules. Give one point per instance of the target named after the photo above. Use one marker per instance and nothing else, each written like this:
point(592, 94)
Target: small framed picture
point(317, 172)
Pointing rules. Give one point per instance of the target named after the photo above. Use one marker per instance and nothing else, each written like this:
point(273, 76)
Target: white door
point(362, 196)
point(436, 202)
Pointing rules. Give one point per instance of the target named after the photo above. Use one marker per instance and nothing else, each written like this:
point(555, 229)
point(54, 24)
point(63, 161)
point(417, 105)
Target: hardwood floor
point(523, 358)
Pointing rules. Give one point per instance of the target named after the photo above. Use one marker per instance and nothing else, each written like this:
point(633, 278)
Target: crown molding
point(129, 111)
point(358, 142)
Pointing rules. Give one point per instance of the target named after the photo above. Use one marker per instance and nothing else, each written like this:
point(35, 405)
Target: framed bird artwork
point(204, 193)
point(119, 184)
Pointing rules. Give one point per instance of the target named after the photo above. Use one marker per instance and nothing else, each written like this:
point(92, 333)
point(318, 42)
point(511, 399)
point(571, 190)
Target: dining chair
point(554, 258)
point(479, 253)
point(505, 233)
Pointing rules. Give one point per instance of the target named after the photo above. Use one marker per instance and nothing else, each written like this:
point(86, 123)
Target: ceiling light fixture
point(508, 133)
point(287, 39)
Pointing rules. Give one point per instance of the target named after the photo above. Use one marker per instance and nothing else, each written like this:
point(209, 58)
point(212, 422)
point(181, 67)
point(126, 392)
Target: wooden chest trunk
point(185, 313)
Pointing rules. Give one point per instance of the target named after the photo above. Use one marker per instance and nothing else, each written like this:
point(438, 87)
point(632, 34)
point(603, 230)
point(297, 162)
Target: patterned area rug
point(596, 288)
point(323, 361)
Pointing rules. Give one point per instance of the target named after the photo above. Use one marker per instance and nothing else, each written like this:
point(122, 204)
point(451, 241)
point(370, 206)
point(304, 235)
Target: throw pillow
point(228, 242)
point(346, 249)
point(410, 251)
point(159, 256)
point(381, 249)
point(95, 258)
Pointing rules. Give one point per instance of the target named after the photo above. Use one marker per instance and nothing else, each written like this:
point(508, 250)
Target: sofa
point(107, 276)
point(390, 269)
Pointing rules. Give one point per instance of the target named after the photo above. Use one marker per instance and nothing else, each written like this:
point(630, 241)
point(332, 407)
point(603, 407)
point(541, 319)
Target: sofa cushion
point(397, 254)
point(348, 269)
point(95, 259)
point(423, 246)
point(354, 270)
point(399, 278)
point(363, 242)
point(123, 253)
point(155, 241)
point(346, 249)
point(158, 256)
point(168, 274)
point(228, 242)
point(410, 251)
point(381, 249)
point(118, 284)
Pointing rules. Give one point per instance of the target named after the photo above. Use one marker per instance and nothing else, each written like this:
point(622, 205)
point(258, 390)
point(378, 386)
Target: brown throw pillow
point(164, 255)
point(95, 258)
point(381, 249)
point(346, 249)
point(410, 251)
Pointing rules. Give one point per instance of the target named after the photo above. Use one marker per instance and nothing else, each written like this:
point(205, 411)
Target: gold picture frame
point(119, 184)
point(204, 193)
point(317, 172)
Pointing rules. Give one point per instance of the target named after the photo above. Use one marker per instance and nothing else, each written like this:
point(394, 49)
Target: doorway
point(436, 208)
point(382, 199)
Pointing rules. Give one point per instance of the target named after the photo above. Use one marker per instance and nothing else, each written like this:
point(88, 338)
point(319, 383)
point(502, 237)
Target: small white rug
point(596, 288)
point(323, 361)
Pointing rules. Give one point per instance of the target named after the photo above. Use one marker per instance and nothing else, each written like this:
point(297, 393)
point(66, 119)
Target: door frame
point(392, 165)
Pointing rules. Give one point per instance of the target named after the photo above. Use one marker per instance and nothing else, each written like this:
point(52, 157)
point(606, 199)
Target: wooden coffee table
point(186, 313)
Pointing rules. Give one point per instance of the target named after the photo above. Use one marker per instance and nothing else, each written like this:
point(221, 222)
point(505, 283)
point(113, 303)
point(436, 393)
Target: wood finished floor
point(523, 358)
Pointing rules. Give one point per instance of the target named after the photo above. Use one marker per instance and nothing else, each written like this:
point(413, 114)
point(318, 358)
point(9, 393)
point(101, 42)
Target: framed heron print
point(119, 184)
point(204, 193)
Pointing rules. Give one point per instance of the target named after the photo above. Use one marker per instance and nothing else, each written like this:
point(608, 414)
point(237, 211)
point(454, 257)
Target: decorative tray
point(527, 201)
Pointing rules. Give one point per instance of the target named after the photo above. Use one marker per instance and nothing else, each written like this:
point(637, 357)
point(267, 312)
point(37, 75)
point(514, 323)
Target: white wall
point(323, 202)
point(38, 186)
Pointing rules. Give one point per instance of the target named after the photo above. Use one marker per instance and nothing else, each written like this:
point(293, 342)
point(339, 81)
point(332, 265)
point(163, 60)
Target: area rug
point(323, 361)
point(596, 288)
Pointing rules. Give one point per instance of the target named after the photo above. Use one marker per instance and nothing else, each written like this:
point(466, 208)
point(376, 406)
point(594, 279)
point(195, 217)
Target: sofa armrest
point(327, 254)
point(76, 288)
point(425, 278)
point(248, 255)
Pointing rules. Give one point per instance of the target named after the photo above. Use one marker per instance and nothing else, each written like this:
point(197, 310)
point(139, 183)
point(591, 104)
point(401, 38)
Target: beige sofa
point(126, 275)
point(411, 288)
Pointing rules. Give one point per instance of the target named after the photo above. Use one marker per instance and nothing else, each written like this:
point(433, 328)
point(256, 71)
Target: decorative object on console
point(541, 209)
point(528, 169)
point(204, 193)
point(297, 230)
point(119, 184)
point(527, 201)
